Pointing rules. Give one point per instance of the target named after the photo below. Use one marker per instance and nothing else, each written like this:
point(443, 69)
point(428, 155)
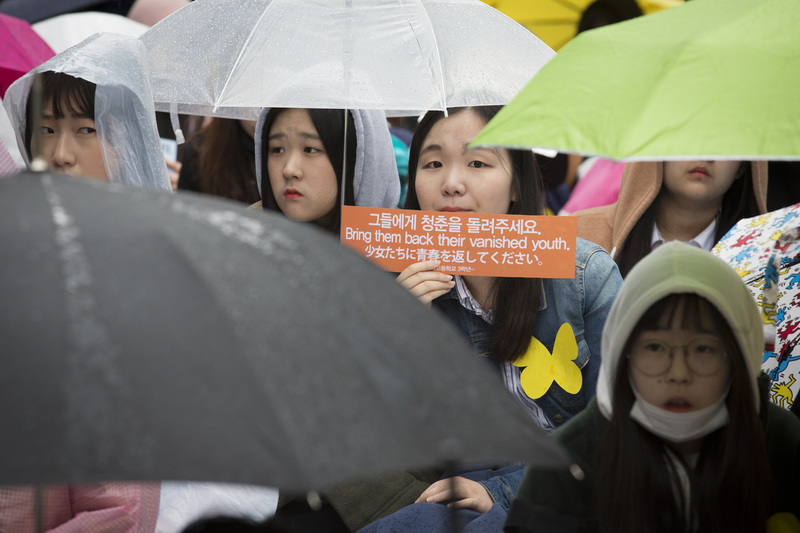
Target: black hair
point(738, 202)
point(236, 524)
point(604, 12)
point(223, 158)
point(329, 124)
point(730, 487)
point(70, 96)
point(515, 300)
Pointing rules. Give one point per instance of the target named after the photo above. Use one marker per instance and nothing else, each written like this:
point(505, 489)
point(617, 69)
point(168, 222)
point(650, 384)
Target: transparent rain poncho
point(124, 113)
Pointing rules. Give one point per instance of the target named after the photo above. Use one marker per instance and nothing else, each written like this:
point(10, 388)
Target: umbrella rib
point(239, 56)
point(443, 89)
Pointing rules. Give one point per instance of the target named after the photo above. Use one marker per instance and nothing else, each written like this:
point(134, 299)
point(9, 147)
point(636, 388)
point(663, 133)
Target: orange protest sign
point(468, 244)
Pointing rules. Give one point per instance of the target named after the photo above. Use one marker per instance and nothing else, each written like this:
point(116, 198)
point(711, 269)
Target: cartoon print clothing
point(765, 251)
point(610, 225)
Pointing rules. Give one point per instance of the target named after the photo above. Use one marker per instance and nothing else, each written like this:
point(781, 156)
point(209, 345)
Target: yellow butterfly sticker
point(541, 368)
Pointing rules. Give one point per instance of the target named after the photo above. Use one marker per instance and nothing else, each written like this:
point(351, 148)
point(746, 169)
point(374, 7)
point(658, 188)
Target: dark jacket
point(554, 501)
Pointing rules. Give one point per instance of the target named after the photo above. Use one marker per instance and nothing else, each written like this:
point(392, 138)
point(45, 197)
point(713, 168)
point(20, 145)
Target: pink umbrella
point(21, 49)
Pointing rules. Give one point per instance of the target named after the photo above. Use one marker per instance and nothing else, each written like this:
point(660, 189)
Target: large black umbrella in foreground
point(150, 335)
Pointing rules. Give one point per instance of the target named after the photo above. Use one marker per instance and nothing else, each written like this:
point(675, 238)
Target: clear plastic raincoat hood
point(124, 112)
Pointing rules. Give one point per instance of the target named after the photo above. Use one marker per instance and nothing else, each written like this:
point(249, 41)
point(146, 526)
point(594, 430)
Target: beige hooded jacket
point(610, 225)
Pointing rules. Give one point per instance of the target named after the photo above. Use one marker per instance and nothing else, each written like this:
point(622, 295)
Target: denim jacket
point(583, 302)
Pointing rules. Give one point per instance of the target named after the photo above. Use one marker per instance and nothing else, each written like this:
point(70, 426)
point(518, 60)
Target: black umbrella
point(152, 335)
point(36, 10)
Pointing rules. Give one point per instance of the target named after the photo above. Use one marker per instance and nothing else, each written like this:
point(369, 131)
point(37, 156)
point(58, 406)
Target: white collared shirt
point(705, 239)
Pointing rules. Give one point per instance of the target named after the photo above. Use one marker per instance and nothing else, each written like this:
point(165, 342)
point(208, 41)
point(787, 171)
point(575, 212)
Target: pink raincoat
point(97, 508)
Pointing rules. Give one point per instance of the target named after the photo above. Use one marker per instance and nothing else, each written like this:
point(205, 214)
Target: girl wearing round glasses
point(681, 435)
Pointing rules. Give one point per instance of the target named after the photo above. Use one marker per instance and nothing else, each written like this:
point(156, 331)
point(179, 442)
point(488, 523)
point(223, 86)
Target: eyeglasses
point(704, 356)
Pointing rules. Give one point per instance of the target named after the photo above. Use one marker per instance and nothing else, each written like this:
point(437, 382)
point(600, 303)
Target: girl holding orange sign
point(523, 326)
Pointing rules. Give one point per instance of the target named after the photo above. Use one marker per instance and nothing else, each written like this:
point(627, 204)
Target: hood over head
point(641, 183)
point(375, 180)
point(124, 112)
point(678, 268)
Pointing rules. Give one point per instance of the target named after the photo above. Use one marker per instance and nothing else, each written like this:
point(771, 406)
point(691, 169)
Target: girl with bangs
point(507, 320)
point(67, 110)
point(97, 121)
point(97, 118)
point(300, 163)
point(681, 436)
point(687, 201)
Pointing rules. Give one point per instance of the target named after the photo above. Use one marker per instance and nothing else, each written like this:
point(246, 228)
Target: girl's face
point(701, 182)
point(301, 175)
point(70, 145)
point(679, 369)
point(450, 177)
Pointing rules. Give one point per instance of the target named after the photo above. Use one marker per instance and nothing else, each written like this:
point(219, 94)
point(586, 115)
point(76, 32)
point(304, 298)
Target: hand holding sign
point(425, 282)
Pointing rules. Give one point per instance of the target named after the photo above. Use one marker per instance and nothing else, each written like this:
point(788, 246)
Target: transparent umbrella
point(231, 57)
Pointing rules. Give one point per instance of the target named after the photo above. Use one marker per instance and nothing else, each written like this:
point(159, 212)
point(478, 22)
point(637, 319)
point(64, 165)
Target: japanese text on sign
point(465, 243)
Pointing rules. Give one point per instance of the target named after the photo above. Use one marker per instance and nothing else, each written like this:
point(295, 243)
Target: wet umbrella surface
point(708, 79)
point(231, 57)
point(151, 335)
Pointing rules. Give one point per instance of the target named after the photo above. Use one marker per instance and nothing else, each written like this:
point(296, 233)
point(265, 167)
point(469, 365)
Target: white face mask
point(680, 427)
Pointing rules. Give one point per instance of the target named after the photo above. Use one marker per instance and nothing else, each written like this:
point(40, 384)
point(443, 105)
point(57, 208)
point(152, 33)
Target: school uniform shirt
point(610, 225)
point(704, 240)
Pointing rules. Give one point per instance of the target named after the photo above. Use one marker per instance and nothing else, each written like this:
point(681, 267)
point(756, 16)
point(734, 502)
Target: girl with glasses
point(681, 436)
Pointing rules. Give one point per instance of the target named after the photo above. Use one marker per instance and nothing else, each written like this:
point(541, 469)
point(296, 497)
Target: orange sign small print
point(468, 244)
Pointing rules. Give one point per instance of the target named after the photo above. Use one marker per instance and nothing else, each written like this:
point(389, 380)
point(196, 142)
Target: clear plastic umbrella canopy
point(231, 57)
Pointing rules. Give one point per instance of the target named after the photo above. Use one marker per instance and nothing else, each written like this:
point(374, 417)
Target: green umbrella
point(717, 79)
